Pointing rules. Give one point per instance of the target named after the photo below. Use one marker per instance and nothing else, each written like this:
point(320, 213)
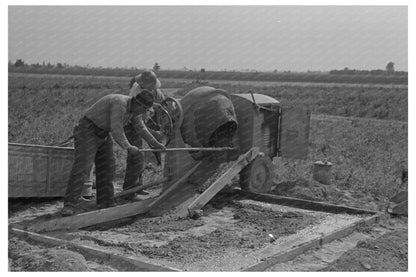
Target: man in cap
point(135, 161)
point(93, 144)
point(146, 80)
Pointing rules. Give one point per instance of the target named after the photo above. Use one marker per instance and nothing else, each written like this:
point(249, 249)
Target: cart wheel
point(174, 109)
point(165, 124)
point(258, 175)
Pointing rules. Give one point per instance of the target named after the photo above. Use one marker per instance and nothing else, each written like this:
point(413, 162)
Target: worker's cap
point(145, 98)
point(148, 80)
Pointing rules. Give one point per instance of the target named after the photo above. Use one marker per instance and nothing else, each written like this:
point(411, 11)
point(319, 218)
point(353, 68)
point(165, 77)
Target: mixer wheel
point(258, 175)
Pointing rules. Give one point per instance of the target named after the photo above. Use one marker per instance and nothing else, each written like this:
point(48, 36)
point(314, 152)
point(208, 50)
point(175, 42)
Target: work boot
point(133, 197)
point(82, 202)
point(68, 211)
point(80, 205)
point(143, 192)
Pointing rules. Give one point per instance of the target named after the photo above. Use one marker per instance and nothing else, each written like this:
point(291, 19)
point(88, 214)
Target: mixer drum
point(209, 118)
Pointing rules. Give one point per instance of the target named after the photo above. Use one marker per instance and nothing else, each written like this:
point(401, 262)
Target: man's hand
point(133, 149)
point(159, 146)
point(157, 135)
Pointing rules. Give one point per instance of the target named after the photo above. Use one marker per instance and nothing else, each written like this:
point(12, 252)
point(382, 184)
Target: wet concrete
point(229, 239)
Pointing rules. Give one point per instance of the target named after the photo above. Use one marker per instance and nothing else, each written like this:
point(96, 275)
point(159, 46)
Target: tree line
point(388, 76)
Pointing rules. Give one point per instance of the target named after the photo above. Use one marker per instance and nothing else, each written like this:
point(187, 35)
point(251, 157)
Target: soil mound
point(387, 253)
point(27, 257)
point(315, 191)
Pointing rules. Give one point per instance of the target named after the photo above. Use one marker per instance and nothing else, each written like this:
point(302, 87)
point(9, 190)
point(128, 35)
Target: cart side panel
point(38, 171)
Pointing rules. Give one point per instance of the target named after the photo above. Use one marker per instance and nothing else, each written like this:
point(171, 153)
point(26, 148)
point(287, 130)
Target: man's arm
point(142, 130)
point(117, 111)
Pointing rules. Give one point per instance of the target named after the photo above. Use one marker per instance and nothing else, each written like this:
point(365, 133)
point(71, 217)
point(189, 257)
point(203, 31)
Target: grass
point(362, 130)
point(368, 156)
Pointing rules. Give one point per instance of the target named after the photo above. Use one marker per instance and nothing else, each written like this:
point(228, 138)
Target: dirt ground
point(386, 253)
point(227, 226)
point(315, 191)
point(241, 228)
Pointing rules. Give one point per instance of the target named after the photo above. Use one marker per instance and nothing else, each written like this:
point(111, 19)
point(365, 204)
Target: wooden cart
point(41, 171)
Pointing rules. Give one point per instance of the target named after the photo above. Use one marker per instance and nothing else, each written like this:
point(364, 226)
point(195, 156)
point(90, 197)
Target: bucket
point(322, 172)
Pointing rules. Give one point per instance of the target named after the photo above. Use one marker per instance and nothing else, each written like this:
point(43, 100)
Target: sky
point(296, 38)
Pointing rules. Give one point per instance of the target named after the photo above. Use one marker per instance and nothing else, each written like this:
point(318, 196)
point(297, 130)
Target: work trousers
point(135, 162)
point(92, 145)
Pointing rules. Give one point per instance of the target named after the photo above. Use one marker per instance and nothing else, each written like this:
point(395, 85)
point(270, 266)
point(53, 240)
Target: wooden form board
point(121, 262)
point(91, 218)
point(105, 215)
point(260, 261)
point(275, 254)
point(303, 204)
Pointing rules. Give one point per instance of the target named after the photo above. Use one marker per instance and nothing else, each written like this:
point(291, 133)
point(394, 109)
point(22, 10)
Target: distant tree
point(390, 67)
point(59, 65)
point(156, 67)
point(19, 62)
point(202, 70)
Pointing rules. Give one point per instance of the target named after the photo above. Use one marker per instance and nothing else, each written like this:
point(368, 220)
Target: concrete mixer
point(252, 124)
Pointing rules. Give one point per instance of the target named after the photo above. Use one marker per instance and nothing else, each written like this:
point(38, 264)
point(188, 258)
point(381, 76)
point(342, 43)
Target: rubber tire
point(257, 176)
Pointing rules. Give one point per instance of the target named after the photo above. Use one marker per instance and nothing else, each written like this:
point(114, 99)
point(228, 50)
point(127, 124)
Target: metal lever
point(205, 149)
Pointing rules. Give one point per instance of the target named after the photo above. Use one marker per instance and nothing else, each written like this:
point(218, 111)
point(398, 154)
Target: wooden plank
point(122, 263)
point(92, 218)
point(290, 254)
point(174, 186)
point(350, 229)
point(225, 179)
point(303, 204)
point(176, 203)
